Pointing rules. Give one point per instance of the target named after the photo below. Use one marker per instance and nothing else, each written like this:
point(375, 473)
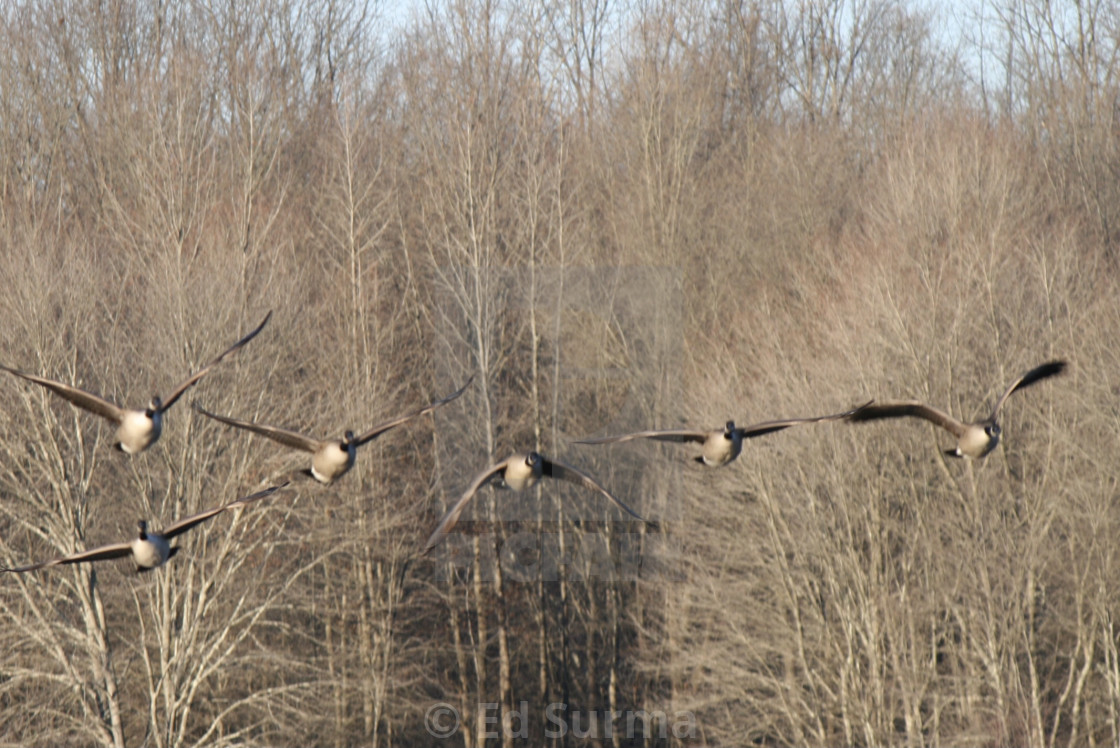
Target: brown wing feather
point(907, 408)
point(563, 471)
point(1048, 369)
point(190, 381)
point(672, 435)
point(453, 513)
point(116, 550)
point(383, 427)
point(183, 525)
point(85, 400)
point(768, 427)
point(288, 438)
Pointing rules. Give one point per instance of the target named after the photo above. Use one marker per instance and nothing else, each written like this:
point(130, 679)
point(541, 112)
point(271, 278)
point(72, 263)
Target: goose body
point(523, 474)
point(977, 441)
point(151, 550)
point(331, 461)
point(137, 429)
point(148, 549)
point(721, 448)
point(974, 440)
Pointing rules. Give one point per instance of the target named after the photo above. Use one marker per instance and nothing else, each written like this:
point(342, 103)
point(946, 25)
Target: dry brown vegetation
point(615, 217)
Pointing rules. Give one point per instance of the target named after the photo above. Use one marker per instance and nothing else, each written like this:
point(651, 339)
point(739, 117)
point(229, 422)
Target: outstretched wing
point(1048, 369)
point(116, 550)
point(672, 435)
point(288, 438)
point(769, 427)
point(453, 513)
point(183, 525)
point(190, 382)
point(383, 427)
point(902, 409)
point(81, 398)
point(563, 471)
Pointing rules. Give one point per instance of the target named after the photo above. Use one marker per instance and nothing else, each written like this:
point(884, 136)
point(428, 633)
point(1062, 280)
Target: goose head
point(143, 526)
point(155, 406)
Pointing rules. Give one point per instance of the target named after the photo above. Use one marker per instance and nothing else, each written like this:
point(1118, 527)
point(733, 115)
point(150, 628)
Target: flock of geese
point(139, 429)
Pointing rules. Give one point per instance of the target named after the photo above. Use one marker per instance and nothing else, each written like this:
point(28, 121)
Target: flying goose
point(136, 429)
point(719, 446)
point(149, 549)
point(974, 440)
point(519, 472)
point(331, 458)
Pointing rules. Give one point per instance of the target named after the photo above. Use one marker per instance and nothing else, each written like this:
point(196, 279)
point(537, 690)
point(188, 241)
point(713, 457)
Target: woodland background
point(614, 215)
